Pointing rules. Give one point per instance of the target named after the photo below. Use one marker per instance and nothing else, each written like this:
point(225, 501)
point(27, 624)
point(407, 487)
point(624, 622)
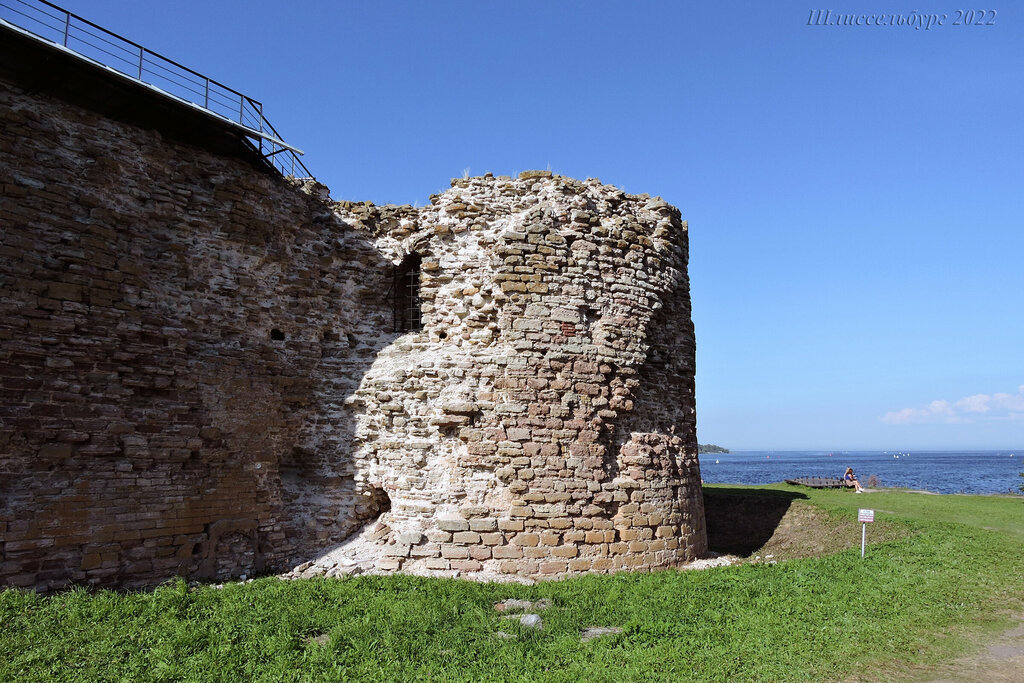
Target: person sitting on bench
point(850, 480)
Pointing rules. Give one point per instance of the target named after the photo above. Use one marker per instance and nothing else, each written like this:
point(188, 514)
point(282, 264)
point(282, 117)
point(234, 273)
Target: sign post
point(864, 517)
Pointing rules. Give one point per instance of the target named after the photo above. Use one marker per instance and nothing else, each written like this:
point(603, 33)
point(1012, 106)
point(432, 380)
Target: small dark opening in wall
point(277, 335)
point(405, 294)
point(375, 504)
point(442, 335)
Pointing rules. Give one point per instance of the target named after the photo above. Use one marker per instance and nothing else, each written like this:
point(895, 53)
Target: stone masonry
point(200, 372)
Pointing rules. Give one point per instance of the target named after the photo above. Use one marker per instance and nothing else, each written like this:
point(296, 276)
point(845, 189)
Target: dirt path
point(1001, 661)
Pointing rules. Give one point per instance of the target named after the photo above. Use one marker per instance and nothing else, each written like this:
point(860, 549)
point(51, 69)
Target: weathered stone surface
point(514, 605)
point(598, 632)
point(532, 621)
point(201, 375)
point(560, 327)
point(173, 361)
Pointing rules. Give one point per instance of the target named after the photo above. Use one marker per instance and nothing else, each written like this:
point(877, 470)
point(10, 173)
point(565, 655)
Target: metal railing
point(46, 21)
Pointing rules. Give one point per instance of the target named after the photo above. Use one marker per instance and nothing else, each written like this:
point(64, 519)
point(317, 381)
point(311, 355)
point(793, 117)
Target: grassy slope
point(800, 620)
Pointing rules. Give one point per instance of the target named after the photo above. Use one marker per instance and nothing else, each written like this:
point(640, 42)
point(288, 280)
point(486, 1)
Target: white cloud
point(979, 403)
point(1001, 407)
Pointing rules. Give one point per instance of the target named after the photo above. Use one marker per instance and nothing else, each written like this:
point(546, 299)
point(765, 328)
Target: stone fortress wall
point(200, 373)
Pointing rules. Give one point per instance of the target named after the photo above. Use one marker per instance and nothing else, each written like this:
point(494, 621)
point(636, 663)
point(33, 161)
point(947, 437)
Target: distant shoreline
point(1018, 452)
point(971, 472)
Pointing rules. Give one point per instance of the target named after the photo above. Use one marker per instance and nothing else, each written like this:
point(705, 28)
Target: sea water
point(937, 471)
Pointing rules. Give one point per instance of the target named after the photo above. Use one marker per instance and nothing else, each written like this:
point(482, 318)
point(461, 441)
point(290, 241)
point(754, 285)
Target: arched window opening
point(405, 292)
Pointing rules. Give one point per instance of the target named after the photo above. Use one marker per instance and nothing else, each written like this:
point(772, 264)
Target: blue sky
point(855, 194)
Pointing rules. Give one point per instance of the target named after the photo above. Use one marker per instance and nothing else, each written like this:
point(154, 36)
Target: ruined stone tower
point(210, 370)
point(540, 418)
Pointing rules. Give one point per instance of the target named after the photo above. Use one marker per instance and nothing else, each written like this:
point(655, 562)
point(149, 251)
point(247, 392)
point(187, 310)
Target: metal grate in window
point(405, 294)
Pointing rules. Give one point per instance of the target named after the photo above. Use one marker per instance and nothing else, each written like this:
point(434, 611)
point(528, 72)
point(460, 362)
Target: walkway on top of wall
point(40, 37)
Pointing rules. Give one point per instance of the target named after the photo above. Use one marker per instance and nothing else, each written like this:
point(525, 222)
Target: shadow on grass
point(741, 520)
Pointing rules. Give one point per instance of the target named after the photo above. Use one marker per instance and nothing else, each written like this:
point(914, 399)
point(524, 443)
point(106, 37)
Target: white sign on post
point(864, 516)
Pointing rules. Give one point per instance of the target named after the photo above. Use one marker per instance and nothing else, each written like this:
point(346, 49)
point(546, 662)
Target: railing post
point(206, 95)
point(142, 52)
point(67, 27)
point(241, 109)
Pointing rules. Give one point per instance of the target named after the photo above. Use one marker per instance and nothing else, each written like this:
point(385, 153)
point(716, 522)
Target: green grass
point(997, 513)
point(959, 569)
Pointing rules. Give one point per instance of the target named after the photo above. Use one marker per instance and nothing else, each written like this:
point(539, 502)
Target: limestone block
point(507, 552)
point(437, 563)
point(409, 537)
point(467, 565)
point(491, 538)
point(463, 408)
point(435, 536)
point(451, 523)
point(485, 524)
point(449, 551)
point(472, 511)
point(526, 539)
point(549, 538)
point(581, 564)
point(480, 552)
point(510, 524)
point(565, 551)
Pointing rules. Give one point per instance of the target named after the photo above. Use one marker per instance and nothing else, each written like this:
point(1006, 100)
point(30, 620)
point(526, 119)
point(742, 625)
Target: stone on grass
point(598, 631)
point(522, 605)
point(321, 639)
point(527, 620)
